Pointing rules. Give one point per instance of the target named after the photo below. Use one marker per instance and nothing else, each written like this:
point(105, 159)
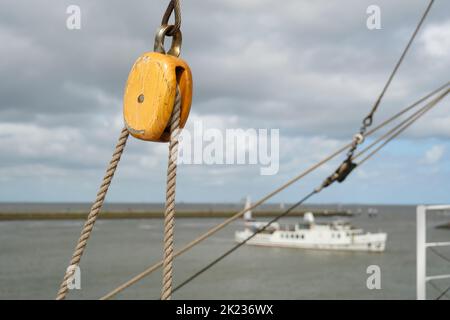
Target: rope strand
point(239, 214)
point(93, 214)
point(240, 244)
point(169, 215)
point(315, 191)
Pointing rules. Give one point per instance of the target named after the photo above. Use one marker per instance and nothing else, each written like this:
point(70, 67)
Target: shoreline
point(18, 216)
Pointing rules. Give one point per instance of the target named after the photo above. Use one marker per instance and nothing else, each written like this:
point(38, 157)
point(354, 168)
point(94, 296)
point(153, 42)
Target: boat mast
point(248, 205)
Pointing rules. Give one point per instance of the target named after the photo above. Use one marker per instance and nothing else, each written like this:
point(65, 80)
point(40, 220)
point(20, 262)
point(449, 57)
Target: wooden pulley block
point(151, 90)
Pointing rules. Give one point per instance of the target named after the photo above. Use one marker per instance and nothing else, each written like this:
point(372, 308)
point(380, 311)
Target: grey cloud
point(311, 69)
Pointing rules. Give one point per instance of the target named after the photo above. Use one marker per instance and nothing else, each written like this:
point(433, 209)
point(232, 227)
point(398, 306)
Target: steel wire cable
point(444, 293)
point(401, 128)
point(368, 120)
point(393, 130)
point(399, 62)
point(236, 216)
point(240, 244)
point(439, 254)
point(173, 7)
point(438, 289)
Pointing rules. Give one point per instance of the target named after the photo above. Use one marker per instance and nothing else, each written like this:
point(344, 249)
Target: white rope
point(93, 214)
point(169, 215)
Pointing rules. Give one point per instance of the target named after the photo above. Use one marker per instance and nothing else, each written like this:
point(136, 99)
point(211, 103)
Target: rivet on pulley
point(151, 89)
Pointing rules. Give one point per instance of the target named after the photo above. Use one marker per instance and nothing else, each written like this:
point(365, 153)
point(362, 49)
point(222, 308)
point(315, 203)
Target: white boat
point(337, 235)
point(372, 212)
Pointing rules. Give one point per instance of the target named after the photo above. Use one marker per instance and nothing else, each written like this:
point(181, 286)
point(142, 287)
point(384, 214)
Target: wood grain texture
point(154, 77)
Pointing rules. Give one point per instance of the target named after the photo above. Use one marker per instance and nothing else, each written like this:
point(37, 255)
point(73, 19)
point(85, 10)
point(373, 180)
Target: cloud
point(310, 69)
point(434, 155)
point(436, 40)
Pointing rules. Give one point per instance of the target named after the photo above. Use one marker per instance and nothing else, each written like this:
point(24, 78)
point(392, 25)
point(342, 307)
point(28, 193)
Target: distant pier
point(60, 211)
point(153, 215)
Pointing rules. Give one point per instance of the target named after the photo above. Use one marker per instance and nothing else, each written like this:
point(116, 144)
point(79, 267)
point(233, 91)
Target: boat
point(372, 212)
point(336, 235)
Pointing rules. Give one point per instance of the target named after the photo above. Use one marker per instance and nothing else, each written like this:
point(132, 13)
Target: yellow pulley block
point(151, 89)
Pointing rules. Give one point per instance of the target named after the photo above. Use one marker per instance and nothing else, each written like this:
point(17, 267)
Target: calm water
point(34, 254)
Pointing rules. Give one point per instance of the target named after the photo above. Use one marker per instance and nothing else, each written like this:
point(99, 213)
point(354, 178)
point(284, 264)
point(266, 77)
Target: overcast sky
point(311, 69)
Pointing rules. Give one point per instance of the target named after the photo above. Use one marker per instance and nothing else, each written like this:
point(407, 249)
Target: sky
point(310, 69)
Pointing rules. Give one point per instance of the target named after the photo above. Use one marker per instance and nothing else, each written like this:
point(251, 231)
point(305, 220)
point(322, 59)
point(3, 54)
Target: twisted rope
point(402, 127)
point(169, 214)
point(93, 214)
point(239, 214)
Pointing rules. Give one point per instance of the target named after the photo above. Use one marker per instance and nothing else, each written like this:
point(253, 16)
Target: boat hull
point(369, 242)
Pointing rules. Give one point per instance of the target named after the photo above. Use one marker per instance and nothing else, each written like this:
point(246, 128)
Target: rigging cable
point(340, 174)
point(234, 248)
point(439, 254)
point(315, 191)
point(174, 6)
point(428, 107)
point(93, 214)
point(347, 166)
point(442, 292)
point(368, 120)
point(239, 214)
point(392, 131)
point(169, 214)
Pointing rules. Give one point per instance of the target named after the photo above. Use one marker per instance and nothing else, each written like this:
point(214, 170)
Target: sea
point(35, 253)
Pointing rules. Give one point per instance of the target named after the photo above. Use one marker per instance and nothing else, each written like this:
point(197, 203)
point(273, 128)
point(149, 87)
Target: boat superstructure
point(336, 235)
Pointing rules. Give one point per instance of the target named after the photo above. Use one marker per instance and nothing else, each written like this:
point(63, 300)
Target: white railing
point(422, 246)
